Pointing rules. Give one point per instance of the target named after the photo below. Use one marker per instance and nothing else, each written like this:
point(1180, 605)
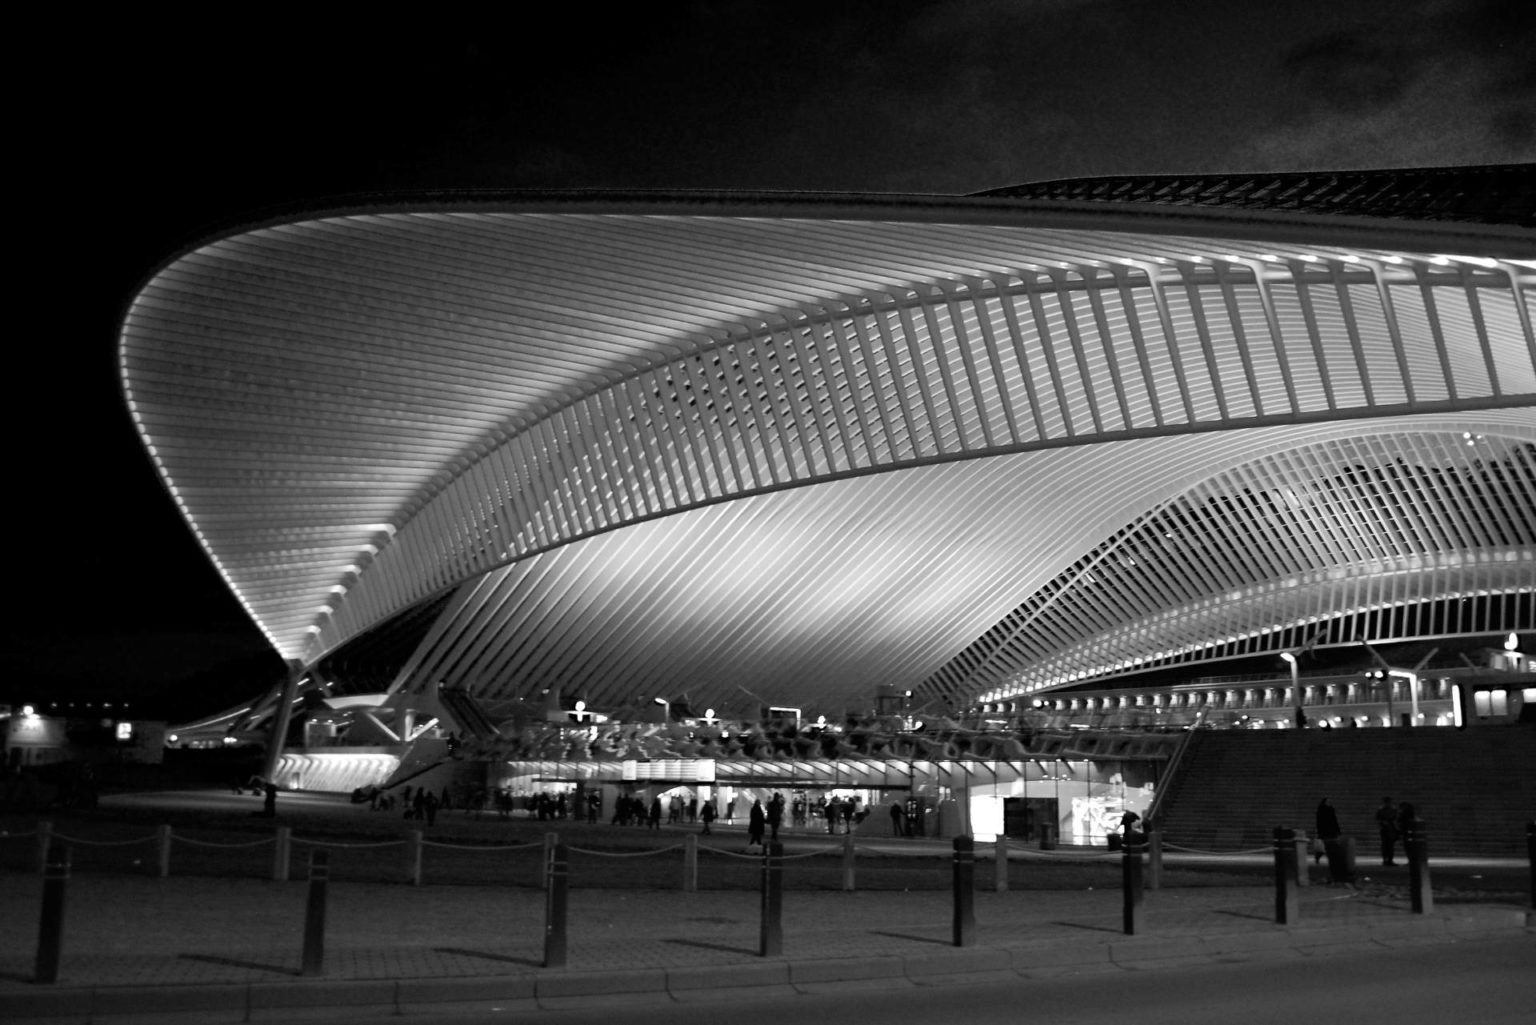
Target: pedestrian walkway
point(231, 948)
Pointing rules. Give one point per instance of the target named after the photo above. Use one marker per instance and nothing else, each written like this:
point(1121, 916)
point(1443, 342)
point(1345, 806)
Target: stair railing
point(1154, 813)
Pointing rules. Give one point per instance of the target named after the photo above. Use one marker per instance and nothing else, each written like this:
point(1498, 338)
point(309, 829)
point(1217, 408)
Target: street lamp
point(1290, 658)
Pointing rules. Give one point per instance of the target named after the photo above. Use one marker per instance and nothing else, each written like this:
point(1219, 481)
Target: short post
point(964, 876)
point(691, 863)
point(1132, 885)
point(1530, 856)
point(50, 932)
point(1154, 875)
point(551, 841)
point(1287, 904)
point(413, 852)
point(1421, 896)
point(163, 850)
point(557, 869)
point(1303, 851)
point(770, 936)
point(282, 842)
point(44, 841)
point(849, 882)
point(314, 913)
point(1001, 866)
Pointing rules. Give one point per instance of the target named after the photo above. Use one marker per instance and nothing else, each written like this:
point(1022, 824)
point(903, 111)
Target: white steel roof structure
point(800, 446)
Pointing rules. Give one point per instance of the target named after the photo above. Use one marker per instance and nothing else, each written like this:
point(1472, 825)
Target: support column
point(281, 717)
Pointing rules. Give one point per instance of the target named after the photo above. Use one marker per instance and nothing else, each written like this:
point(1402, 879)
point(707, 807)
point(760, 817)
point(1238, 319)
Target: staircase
point(1474, 788)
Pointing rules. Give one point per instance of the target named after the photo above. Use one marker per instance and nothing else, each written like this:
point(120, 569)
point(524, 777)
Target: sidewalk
point(230, 949)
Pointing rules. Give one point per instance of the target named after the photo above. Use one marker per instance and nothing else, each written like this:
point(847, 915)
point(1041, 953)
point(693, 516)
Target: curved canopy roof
point(799, 447)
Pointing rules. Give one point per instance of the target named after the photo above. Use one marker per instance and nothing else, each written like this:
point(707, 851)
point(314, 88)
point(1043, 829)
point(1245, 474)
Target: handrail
point(1174, 764)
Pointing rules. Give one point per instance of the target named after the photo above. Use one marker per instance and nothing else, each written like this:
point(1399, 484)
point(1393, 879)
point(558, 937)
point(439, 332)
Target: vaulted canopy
point(787, 449)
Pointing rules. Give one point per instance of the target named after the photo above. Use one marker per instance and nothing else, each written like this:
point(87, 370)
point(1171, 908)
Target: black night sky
point(141, 135)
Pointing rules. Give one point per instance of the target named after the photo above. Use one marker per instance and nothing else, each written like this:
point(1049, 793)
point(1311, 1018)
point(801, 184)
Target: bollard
point(848, 869)
point(1154, 873)
point(282, 839)
point(314, 913)
point(1303, 853)
point(1132, 890)
point(557, 869)
point(44, 841)
point(1530, 856)
point(163, 852)
point(551, 841)
point(770, 936)
point(1287, 905)
point(413, 852)
point(964, 875)
point(1001, 882)
point(690, 863)
point(50, 932)
point(1421, 897)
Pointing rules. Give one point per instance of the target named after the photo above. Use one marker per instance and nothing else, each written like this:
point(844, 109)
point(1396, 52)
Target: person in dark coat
point(707, 815)
point(269, 800)
point(1328, 842)
point(757, 821)
point(1386, 826)
point(655, 822)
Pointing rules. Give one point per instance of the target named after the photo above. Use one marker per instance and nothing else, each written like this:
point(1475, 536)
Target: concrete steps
point(1475, 788)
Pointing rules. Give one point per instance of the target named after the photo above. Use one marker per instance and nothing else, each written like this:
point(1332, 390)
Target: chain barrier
point(480, 847)
point(216, 843)
point(104, 843)
point(626, 854)
point(339, 844)
point(1215, 854)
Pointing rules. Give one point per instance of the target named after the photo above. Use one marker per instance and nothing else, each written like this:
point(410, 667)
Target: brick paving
point(196, 931)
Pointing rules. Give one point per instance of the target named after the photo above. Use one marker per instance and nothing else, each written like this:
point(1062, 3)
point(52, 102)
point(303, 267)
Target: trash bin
point(1116, 841)
point(1047, 837)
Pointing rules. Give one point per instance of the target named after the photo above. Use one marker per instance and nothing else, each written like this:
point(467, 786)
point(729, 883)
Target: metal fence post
point(50, 932)
point(1154, 876)
point(770, 935)
point(314, 913)
point(1530, 855)
point(1287, 907)
point(1132, 889)
point(849, 879)
point(44, 841)
point(691, 863)
point(1421, 895)
point(163, 851)
point(551, 840)
point(413, 849)
point(556, 873)
point(282, 840)
point(964, 876)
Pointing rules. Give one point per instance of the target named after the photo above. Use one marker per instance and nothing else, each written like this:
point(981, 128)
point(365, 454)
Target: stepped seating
point(1474, 788)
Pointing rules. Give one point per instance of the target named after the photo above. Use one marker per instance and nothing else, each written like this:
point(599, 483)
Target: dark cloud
point(163, 135)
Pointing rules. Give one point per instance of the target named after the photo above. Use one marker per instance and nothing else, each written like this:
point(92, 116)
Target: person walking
point(898, 819)
point(707, 815)
point(756, 823)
